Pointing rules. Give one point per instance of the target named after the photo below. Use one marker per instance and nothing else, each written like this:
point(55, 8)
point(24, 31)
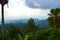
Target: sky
point(44, 4)
point(23, 9)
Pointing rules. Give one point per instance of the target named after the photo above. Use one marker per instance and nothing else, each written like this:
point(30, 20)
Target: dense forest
point(33, 32)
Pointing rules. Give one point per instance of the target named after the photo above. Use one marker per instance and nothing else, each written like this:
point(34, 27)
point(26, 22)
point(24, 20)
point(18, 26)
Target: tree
point(54, 18)
point(3, 2)
point(30, 26)
point(13, 32)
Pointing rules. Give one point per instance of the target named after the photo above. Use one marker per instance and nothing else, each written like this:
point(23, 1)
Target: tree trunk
point(2, 22)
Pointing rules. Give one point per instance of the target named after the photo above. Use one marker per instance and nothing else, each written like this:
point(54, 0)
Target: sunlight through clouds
point(18, 10)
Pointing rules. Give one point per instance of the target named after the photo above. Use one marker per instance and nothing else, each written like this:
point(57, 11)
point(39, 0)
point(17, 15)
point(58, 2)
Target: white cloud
point(36, 4)
point(18, 9)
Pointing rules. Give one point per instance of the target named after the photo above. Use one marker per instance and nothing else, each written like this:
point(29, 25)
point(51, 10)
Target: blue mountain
point(22, 22)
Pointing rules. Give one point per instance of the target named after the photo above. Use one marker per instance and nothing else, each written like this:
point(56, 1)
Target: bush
point(48, 34)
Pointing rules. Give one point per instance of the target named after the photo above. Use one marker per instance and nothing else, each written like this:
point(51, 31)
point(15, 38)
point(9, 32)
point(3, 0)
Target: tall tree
point(30, 26)
point(3, 2)
point(54, 20)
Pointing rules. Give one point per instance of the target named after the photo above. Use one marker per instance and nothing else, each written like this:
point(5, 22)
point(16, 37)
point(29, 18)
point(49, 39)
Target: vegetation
point(41, 34)
point(54, 19)
point(32, 32)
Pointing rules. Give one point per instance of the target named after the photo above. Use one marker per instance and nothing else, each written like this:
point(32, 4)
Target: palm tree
point(3, 2)
point(54, 13)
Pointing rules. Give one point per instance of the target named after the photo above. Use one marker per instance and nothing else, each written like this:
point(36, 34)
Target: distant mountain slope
point(40, 23)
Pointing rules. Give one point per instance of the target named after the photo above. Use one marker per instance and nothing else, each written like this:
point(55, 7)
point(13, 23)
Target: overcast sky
point(45, 4)
point(22, 9)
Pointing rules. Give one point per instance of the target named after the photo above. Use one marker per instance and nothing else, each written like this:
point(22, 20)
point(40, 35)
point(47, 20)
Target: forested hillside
point(31, 31)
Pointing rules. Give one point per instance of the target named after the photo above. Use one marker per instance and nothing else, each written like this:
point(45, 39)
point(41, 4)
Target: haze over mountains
point(22, 22)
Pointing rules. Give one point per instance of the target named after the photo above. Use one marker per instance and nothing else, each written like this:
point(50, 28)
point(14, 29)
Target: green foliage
point(31, 32)
point(19, 37)
point(55, 11)
point(48, 34)
point(54, 19)
point(41, 34)
point(26, 37)
point(14, 33)
point(30, 26)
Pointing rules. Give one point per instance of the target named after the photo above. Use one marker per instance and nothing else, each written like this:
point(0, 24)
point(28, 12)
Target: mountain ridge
point(22, 22)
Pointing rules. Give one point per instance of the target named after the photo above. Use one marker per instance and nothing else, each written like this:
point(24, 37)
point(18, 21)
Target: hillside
point(20, 23)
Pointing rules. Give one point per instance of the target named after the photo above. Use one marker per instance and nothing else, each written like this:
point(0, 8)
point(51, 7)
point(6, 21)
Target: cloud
point(45, 4)
point(18, 10)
